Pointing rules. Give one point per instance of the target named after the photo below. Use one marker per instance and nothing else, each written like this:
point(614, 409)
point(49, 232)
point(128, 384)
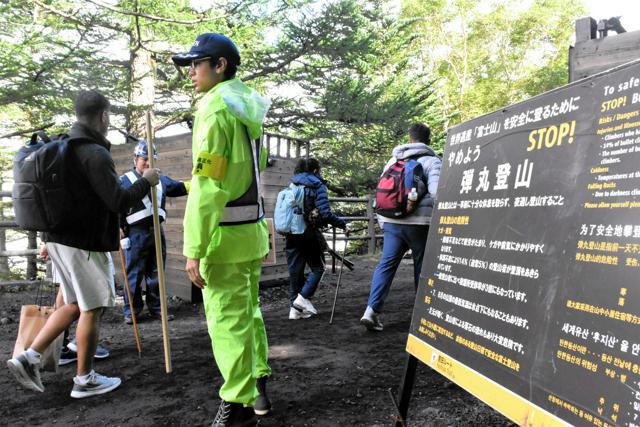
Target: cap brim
point(184, 59)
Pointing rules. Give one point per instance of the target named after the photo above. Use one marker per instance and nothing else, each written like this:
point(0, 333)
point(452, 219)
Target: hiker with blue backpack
point(308, 212)
point(404, 202)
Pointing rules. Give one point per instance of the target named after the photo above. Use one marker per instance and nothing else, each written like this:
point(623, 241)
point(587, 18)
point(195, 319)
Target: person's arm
point(173, 188)
point(324, 208)
point(433, 176)
point(207, 197)
point(101, 173)
point(122, 218)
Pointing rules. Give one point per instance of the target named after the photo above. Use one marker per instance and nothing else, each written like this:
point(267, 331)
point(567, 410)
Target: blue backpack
point(289, 213)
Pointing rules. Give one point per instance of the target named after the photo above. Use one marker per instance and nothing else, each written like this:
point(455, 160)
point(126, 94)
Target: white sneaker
point(371, 320)
point(96, 384)
point(304, 304)
point(26, 372)
point(295, 314)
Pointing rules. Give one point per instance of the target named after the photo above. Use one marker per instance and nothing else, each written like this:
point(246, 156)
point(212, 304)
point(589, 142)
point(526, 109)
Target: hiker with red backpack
point(404, 202)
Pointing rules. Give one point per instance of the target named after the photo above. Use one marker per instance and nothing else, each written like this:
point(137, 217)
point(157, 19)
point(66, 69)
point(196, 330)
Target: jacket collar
point(406, 151)
point(307, 179)
point(81, 131)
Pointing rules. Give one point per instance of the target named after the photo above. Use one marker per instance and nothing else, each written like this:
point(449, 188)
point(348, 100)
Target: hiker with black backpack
point(79, 247)
point(307, 248)
point(404, 202)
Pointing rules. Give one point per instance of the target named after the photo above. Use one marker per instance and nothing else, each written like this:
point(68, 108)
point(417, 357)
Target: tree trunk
point(143, 89)
point(4, 262)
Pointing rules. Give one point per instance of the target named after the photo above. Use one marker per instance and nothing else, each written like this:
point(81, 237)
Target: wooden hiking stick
point(335, 298)
point(133, 314)
point(159, 260)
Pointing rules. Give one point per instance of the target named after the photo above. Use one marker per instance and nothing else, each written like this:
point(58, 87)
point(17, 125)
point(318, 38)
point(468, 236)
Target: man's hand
point(152, 175)
point(193, 270)
point(122, 236)
point(347, 232)
point(44, 252)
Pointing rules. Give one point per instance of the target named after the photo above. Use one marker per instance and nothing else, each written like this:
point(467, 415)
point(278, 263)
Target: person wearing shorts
point(69, 351)
point(80, 254)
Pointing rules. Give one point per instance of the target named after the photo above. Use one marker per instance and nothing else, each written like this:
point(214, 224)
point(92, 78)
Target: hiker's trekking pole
point(159, 260)
point(133, 314)
point(335, 298)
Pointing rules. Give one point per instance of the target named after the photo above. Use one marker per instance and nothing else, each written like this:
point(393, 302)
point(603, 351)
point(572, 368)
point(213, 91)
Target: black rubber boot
point(263, 404)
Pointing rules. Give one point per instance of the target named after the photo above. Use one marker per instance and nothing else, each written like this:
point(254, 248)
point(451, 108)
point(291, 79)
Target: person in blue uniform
point(138, 243)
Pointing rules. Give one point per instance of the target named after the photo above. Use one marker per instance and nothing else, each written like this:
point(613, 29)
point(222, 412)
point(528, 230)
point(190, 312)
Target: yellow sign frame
point(515, 407)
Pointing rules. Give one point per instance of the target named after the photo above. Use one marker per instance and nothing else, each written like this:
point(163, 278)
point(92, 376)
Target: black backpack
point(41, 200)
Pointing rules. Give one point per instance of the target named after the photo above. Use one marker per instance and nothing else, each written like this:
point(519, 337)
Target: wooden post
point(4, 262)
point(159, 260)
point(267, 137)
point(32, 266)
point(586, 29)
point(333, 246)
point(371, 227)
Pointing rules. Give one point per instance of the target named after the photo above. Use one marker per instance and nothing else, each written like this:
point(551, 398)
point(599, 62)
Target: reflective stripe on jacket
point(219, 135)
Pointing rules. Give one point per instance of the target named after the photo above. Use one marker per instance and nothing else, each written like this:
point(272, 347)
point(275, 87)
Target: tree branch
point(73, 18)
point(47, 67)
point(27, 131)
point(161, 18)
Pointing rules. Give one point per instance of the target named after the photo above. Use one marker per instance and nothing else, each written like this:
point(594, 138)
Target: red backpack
point(394, 186)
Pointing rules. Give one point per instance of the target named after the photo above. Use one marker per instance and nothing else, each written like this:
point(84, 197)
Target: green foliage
point(336, 70)
point(346, 74)
point(355, 94)
point(490, 54)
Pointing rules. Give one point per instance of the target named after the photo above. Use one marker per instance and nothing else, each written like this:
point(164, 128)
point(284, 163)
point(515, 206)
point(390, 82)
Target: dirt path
point(324, 375)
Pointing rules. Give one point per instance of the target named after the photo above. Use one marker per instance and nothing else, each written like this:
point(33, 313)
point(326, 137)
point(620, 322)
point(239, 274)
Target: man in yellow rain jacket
point(225, 234)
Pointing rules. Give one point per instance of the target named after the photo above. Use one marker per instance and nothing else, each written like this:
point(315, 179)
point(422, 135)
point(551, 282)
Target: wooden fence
point(175, 161)
point(368, 218)
point(30, 253)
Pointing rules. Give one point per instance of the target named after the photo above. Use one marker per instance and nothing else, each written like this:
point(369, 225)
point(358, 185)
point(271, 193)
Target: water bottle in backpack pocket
point(288, 217)
point(41, 200)
point(394, 187)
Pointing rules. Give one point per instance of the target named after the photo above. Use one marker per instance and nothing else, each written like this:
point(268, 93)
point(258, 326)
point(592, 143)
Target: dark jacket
point(95, 186)
point(315, 196)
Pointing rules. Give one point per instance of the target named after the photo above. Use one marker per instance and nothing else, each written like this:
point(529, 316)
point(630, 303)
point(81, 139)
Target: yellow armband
point(212, 166)
point(187, 185)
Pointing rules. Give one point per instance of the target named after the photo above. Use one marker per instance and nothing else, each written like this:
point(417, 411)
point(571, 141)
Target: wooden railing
point(30, 253)
point(285, 146)
point(368, 231)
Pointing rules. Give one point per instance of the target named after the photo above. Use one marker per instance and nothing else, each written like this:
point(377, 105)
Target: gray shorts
point(85, 277)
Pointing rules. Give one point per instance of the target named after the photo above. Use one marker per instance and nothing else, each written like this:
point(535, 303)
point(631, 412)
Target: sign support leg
point(406, 388)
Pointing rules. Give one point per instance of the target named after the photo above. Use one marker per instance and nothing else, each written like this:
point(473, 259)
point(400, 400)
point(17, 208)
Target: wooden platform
point(174, 160)
point(592, 55)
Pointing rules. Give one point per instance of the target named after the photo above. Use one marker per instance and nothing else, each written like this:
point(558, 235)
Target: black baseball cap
point(214, 45)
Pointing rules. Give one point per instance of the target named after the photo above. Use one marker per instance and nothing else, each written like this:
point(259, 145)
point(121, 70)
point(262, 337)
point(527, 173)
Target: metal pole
point(371, 226)
point(406, 388)
point(335, 298)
